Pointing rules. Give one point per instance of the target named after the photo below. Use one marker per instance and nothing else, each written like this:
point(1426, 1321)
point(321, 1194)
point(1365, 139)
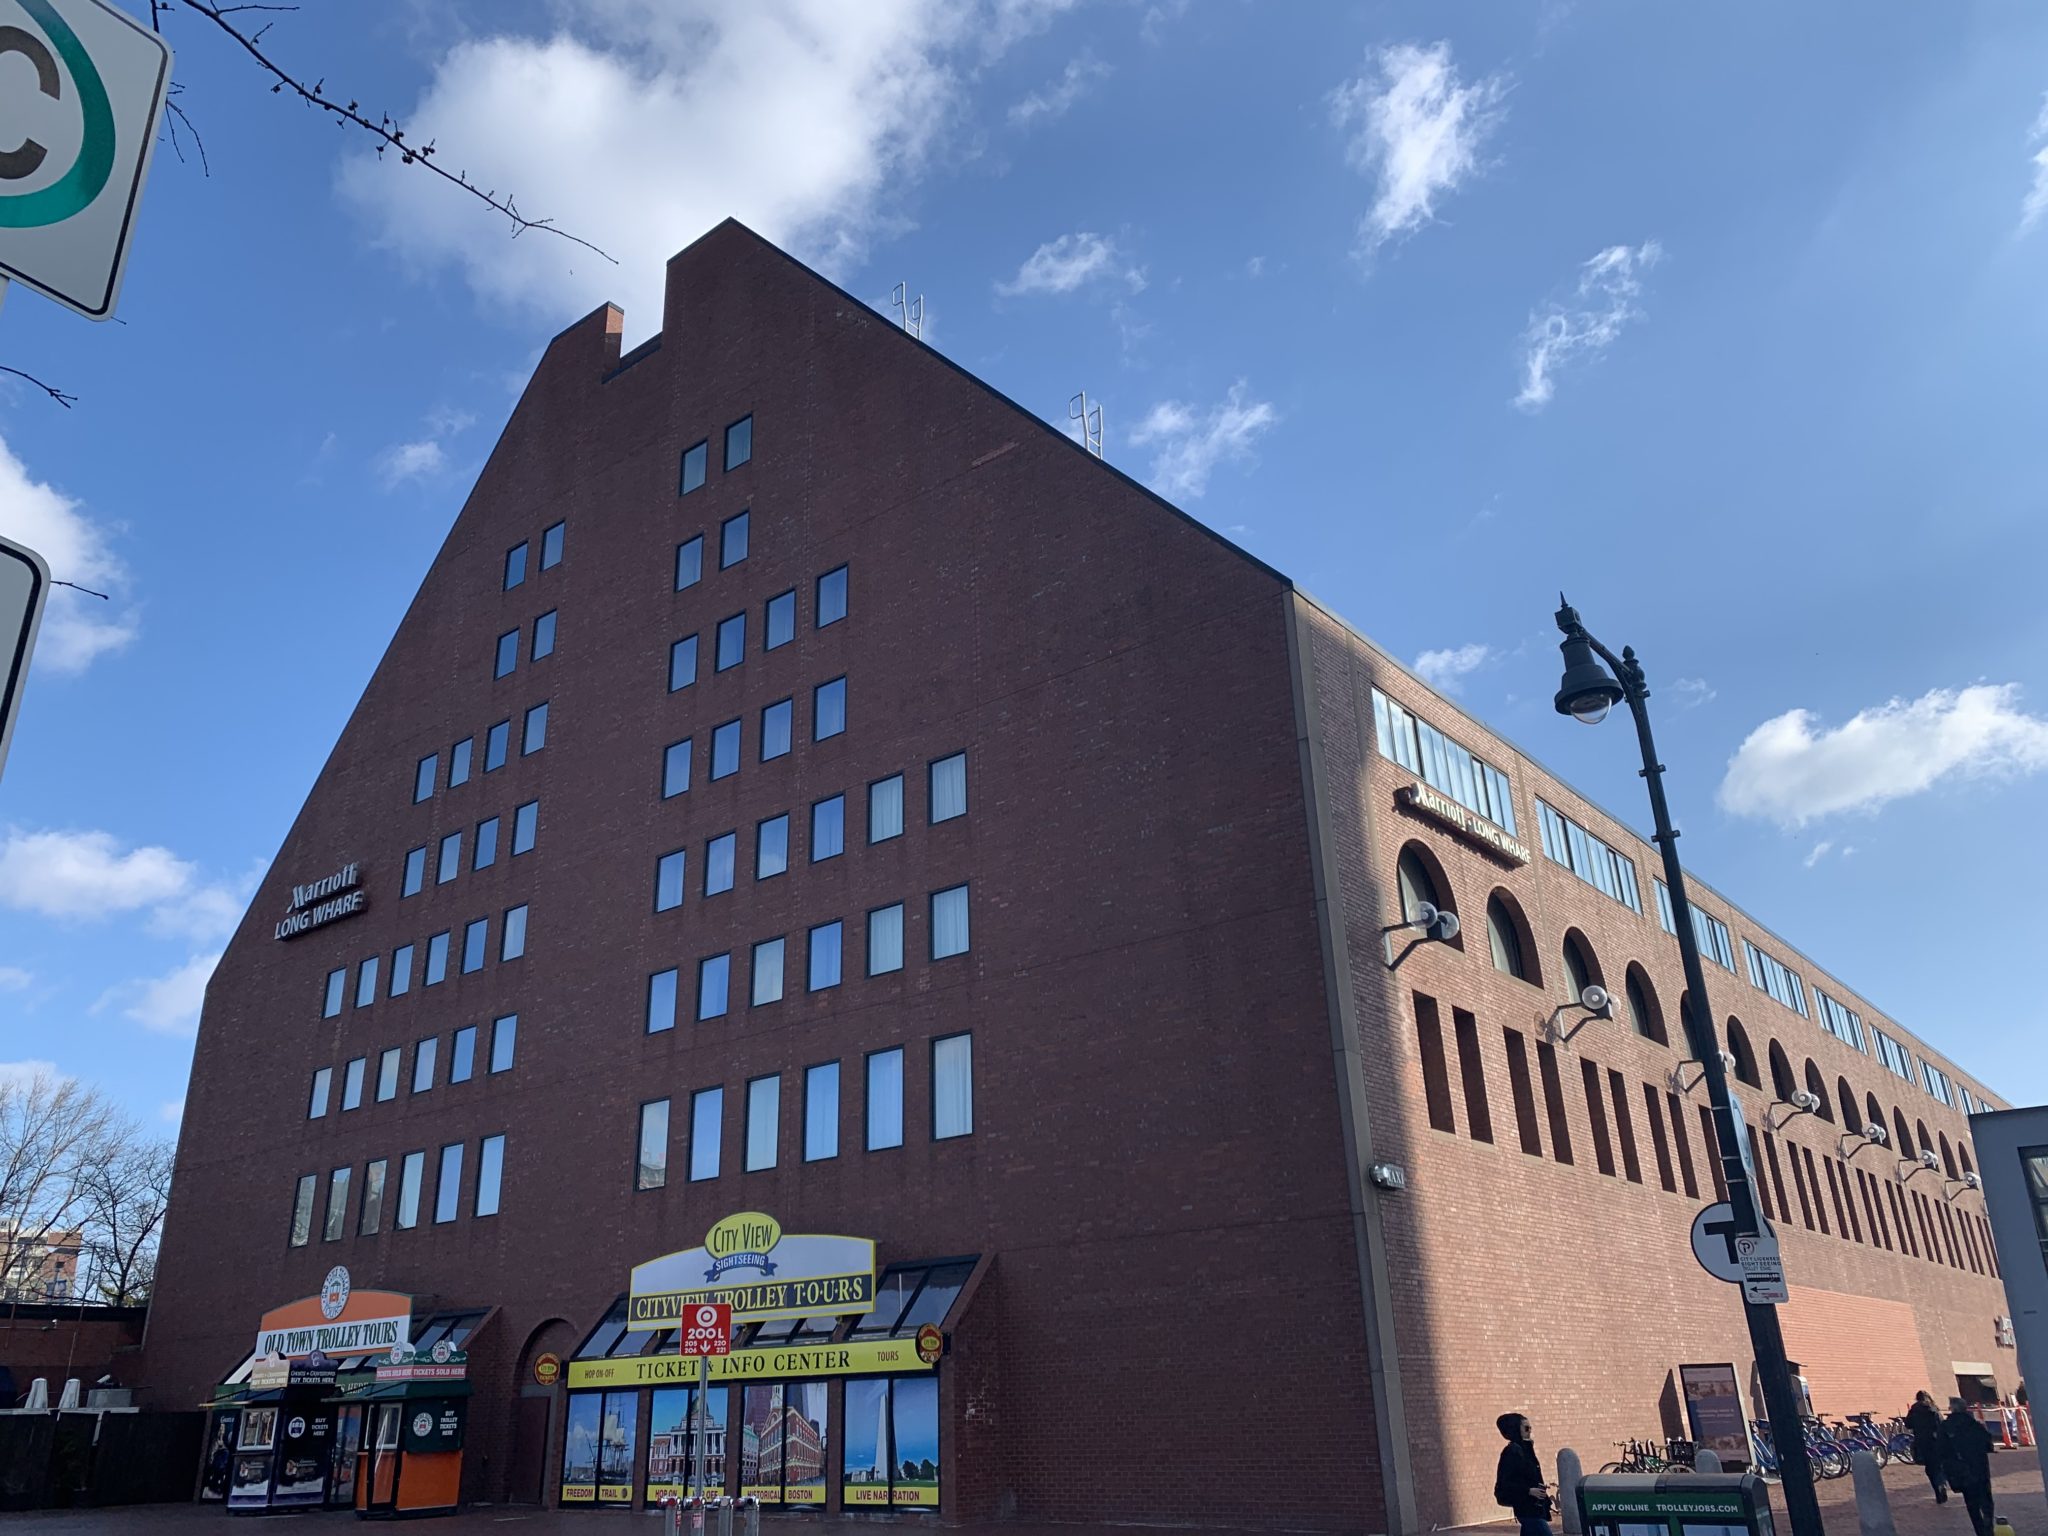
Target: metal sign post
point(706, 1331)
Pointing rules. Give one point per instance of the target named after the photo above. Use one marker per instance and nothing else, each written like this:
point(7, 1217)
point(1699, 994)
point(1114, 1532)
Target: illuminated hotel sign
point(753, 1266)
point(339, 895)
point(1467, 824)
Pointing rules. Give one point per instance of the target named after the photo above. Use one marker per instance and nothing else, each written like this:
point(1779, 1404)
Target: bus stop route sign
point(707, 1329)
point(75, 144)
point(24, 589)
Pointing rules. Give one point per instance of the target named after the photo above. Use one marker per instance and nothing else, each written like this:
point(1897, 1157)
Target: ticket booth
point(415, 1414)
point(277, 1434)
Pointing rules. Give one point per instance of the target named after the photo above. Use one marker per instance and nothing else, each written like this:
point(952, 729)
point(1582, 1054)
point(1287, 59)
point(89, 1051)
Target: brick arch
point(1416, 859)
point(1818, 1087)
point(1845, 1096)
point(1948, 1156)
point(1738, 1047)
point(1902, 1138)
point(1503, 909)
point(1783, 1083)
point(1872, 1110)
point(1577, 949)
point(1645, 1013)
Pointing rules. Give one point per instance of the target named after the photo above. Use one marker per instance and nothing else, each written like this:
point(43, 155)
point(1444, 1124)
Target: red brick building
point(806, 783)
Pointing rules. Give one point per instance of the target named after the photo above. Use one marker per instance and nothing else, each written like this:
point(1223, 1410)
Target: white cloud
point(18, 1073)
point(1610, 284)
point(1446, 669)
point(1789, 772)
point(76, 875)
point(1820, 851)
point(1692, 692)
point(14, 979)
point(167, 1004)
point(1192, 443)
point(1070, 262)
point(76, 628)
point(1256, 267)
point(2036, 201)
point(640, 124)
point(426, 456)
point(1057, 99)
point(1416, 126)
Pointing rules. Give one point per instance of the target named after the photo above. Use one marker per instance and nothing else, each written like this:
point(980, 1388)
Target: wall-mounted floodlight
point(1927, 1162)
point(1950, 1188)
point(1802, 1102)
point(1592, 1003)
point(1680, 1085)
point(1436, 924)
point(1872, 1135)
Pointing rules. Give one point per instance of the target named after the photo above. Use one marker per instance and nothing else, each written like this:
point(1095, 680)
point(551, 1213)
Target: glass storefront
point(597, 1448)
point(677, 1436)
point(892, 1442)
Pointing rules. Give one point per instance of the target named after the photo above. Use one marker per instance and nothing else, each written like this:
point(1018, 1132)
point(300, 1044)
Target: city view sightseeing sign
point(751, 1265)
point(339, 1321)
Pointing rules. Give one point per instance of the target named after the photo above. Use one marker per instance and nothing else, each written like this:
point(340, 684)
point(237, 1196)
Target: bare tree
point(53, 1132)
point(126, 1190)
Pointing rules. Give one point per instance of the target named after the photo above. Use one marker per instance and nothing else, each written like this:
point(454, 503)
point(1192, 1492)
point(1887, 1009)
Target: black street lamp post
point(1587, 692)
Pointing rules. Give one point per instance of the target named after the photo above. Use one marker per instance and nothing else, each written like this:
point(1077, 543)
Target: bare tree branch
point(388, 133)
point(74, 586)
point(175, 114)
point(56, 394)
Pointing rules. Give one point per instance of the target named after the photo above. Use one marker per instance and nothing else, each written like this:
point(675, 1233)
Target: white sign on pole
point(1747, 1259)
point(24, 589)
point(75, 145)
point(1713, 1242)
point(1763, 1270)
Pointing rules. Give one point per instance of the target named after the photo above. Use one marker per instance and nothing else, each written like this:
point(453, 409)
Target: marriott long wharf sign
point(338, 895)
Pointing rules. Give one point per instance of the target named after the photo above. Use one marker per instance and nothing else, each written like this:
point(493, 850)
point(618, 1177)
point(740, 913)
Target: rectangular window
point(725, 750)
point(448, 1188)
point(437, 959)
point(832, 597)
point(1843, 1022)
point(372, 1220)
point(952, 1087)
point(1523, 1092)
point(675, 769)
point(515, 565)
point(476, 939)
point(714, 978)
point(650, 1163)
point(1710, 933)
point(337, 1205)
point(458, 761)
point(1770, 974)
point(336, 994)
point(707, 1117)
point(423, 777)
point(415, 872)
point(486, 853)
point(497, 741)
point(1472, 1075)
point(1436, 1080)
point(1441, 763)
point(764, 1122)
point(885, 808)
point(462, 1061)
point(821, 1112)
point(302, 1209)
point(323, 1082)
point(401, 970)
point(1596, 1112)
point(689, 562)
point(512, 940)
point(387, 1073)
point(885, 1100)
point(423, 1061)
point(778, 722)
point(828, 829)
point(551, 545)
point(449, 863)
point(825, 956)
point(352, 1083)
point(885, 940)
point(732, 642)
point(779, 621)
point(508, 653)
point(771, 847)
point(668, 880)
point(366, 982)
point(732, 541)
point(828, 709)
point(949, 788)
point(1593, 861)
point(949, 922)
point(696, 458)
point(661, 1001)
point(543, 637)
point(1896, 1058)
point(682, 663)
point(490, 1175)
point(504, 1042)
point(411, 1174)
point(536, 735)
point(525, 823)
point(1936, 1080)
point(768, 963)
point(721, 858)
point(1653, 1107)
point(739, 442)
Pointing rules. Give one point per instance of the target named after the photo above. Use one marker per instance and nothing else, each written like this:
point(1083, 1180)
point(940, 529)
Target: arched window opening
point(1818, 1087)
point(1963, 1157)
point(1948, 1156)
point(1902, 1139)
point(1873, 1110)
point(1783, 1084)
point(1926, 1141)
point(1643, 1011)
point(1581, 970)
point(1852, 1118)
point(1504, 936)
point(1418, 885)
point(1745, 1056)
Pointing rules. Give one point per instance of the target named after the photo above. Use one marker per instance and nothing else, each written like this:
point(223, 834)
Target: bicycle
point(1641, 1456)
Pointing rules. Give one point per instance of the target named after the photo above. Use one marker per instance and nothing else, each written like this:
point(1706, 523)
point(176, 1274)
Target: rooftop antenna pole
point(911, 310)
point(1090, 418)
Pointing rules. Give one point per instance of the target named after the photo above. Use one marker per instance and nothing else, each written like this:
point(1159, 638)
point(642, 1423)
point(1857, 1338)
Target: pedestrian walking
point(1967, 1447)
point(1518, 1483)
point(1923, 1420)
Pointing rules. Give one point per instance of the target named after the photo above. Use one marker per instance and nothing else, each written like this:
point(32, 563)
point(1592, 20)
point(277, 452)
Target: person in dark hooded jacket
point(1968, 1447)
point(1923, 1419)
point(1518, 1482)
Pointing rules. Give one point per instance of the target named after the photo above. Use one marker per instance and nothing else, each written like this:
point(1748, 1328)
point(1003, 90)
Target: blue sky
point(1730, 325)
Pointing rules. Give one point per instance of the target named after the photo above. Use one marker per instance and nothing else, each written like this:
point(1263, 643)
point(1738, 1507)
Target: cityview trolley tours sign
point(749, 1264)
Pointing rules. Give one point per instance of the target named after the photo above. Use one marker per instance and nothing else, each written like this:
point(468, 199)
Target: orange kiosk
point(416, 1411)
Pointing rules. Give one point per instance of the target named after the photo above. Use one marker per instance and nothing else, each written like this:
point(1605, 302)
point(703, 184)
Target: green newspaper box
point(1675, 1504)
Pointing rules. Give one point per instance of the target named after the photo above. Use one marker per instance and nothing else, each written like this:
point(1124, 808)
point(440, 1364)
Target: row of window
point(1441, 763)
point(952, 1114)
point(462, 1064)
point(824, 960)
point(540, 646)
point(1708, 931)
point(483, 849)
point(412, 1171)
point(550, 555)
point(1771, 975)
point(739, 448)
point(533, 736)
point(778, 726)
point(1608, 871)
point(778, 620)
point(476, 943)
point(1840, 1020)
